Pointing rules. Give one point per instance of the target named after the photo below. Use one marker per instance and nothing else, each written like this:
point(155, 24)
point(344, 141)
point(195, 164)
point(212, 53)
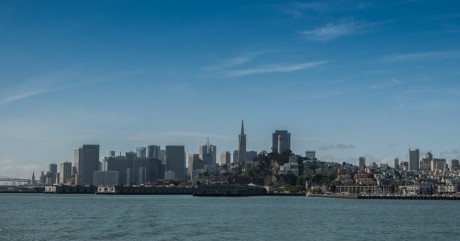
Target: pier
point(392, 197)
point(144, 190)
point(228, 190)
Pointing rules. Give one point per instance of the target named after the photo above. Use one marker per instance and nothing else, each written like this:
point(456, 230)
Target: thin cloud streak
point(19, 96)
point(235, 61)
point(299, 9)
point(342, 28)
point(60, 80)
point(275, 68)
point(388, 84)
point(434, 55)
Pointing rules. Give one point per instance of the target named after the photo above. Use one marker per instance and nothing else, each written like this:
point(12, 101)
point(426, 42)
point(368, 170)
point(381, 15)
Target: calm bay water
point(97, 217)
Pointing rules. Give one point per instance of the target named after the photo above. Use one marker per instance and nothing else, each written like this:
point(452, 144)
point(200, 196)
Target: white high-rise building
point(225, 158)
point(65, 172)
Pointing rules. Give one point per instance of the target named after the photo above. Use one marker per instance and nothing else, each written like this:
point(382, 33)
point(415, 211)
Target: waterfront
point(96, 217)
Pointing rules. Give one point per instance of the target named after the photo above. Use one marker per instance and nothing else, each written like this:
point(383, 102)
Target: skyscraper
point(194, 164)
point(362, 162)
point(454, 165)
point(130, 155)
point(119, 164)
point(65, 172)
point(235, 156)
point(175, 161)
point(225, 158)
point(53, 168)
point(396, 163)
point(51, 174)
point(208, 154)
point(414, 158)
point(281, 141)
point(141, 152)
point(86, 161)
point(242, 144)
point(154, 151)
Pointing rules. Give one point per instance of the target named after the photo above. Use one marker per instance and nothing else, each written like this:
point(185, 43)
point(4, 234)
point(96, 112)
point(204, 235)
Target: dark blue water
point(95, 217)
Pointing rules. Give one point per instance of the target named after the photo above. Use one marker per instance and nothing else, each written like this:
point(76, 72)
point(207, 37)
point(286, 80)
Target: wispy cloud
point(387, 84)
point(336, 147)
point(37, 85)
point(243, 65)
point(299, 9)
point(22, 95)
point(275, 68)
point(236, 60)
point(341, 28)
point(433, 55)
point(65, 79)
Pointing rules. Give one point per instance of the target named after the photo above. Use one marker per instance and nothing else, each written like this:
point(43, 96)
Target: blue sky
point(346, 78)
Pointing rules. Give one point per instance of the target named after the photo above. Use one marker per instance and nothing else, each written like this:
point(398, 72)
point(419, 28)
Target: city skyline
point(345, 78)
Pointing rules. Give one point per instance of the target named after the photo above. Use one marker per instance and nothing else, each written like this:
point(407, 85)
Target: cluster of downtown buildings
point(154, 165)
point(418, 176)
point(151, 164)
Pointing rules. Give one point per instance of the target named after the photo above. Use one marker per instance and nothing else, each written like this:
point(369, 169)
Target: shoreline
point(388, 197)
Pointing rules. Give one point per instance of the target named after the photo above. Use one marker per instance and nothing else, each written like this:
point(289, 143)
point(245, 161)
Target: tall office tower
point(33, 178)
point(175, 161)
point(163, 157)
point(362, 162)
point(242, 144)
point(396, 166)
point(454, 165)
point(437, 164)
point(119, 164)
point(425, 163)
point(111, 153)
point(414, 158)
point(235, 156)
point(51, 174)
point(65, 172)
point(154, 151)
point(194, 164)
point(208, 154)
point(146, 170)
point(130, 171)
point(281, 141)
point(311, 155)
point(42, 179)
point(53, 168)
point(225, 158)
point(86, 161)
point(141, 152)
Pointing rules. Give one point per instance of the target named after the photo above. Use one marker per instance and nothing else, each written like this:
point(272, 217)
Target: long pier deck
point(394, 197)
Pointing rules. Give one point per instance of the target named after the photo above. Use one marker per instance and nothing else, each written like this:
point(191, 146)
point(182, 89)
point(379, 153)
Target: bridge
point(12, 181)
